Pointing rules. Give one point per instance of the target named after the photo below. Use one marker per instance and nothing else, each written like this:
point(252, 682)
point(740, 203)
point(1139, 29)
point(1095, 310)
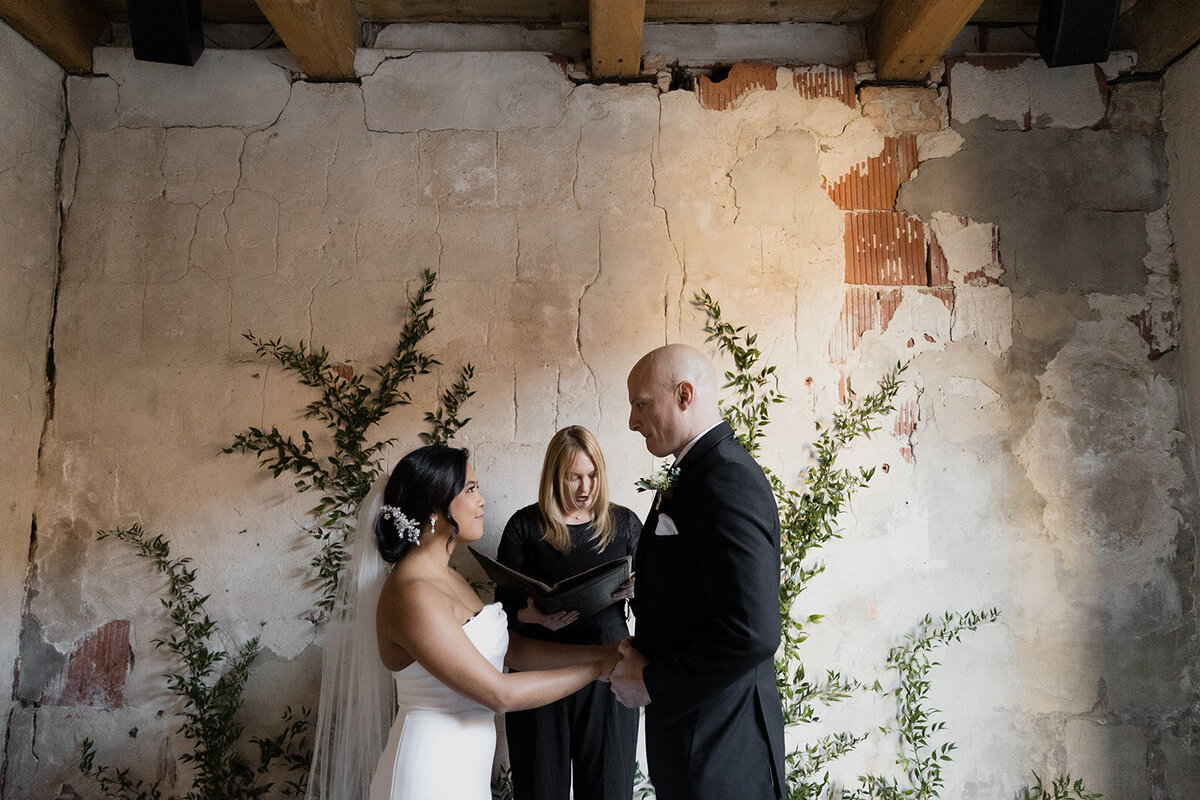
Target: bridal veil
point(357, 701)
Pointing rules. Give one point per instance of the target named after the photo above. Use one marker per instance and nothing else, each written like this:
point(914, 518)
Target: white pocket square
point(665, 526)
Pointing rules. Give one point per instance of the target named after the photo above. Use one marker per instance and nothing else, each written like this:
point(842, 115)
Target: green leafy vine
point(808, 520)
point(349, 406)
point(211, 682)
point(210, 685)
point(1060, 788)
point(920, 757)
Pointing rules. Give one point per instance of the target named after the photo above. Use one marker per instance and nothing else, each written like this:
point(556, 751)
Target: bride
point(414, 640)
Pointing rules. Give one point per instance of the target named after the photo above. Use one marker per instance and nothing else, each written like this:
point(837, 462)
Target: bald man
point(707, 600)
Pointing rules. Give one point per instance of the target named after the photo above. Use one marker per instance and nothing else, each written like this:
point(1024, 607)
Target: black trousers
point(721, 749)
point(589, 733)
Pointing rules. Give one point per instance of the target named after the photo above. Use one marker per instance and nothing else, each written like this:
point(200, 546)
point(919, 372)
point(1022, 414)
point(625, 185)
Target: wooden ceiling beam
point(323, 35)
point(65, 30)
point(906, 37)
point(615, 29)
point(1159, 30)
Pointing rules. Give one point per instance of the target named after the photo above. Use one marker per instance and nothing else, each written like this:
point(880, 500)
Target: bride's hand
point(609, 660)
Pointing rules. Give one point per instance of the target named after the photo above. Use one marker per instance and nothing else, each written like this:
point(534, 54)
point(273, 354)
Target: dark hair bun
point(422, 484)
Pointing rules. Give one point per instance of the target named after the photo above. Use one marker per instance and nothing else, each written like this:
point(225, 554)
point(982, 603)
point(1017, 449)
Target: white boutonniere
point(661, 481)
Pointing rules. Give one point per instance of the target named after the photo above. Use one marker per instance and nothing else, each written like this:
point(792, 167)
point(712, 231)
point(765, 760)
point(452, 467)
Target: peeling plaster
point(569, 239)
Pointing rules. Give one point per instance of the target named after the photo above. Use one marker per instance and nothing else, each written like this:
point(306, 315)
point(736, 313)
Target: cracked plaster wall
point(31, 95)
point(1033, 464)
point(1181, 118)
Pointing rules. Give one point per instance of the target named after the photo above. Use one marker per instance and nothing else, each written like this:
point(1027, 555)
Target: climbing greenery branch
point(209, 686)
point(921, 757)
point(1060, 788)
point(755, 389)
point(211, 681)
point(808, 519)
point(349, 406)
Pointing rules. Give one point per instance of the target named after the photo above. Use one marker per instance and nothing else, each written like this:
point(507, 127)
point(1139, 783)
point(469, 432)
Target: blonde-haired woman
point(572, 527)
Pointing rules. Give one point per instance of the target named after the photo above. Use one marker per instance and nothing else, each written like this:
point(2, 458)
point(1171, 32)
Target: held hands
point(626, 678)
point(555, 621)
point(608, 660)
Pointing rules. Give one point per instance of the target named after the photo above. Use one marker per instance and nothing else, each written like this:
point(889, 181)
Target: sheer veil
point(357, 700)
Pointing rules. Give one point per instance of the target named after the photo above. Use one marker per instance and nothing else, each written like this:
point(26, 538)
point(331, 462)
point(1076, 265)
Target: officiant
point(573, 527)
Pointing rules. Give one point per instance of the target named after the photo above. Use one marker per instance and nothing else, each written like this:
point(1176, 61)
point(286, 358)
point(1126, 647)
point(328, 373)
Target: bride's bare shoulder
point(409, 590)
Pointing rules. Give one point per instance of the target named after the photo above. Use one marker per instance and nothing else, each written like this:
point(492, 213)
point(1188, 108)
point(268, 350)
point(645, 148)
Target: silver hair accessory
point(408, 530)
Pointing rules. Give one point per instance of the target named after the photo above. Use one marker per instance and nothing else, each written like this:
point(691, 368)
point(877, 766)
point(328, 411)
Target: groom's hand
point(626, 678)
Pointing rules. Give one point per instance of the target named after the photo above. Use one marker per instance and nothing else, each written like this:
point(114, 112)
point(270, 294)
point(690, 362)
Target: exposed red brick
point(742, 78)
point(1135, 108)
point(906, 453)
point(984, 279)
point(945, 294)
point(1101, 83)
point(822, 81)
point(873, 183)
point(562, 62)
point(1145, 329)
point(906, 419)
point(96, 669)
point(344, 370)
point(863, 309)
point(939, 268)
point(885, 248)
point(979, 277)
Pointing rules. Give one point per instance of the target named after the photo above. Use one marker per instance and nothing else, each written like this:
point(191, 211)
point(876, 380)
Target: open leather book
point(587, 592)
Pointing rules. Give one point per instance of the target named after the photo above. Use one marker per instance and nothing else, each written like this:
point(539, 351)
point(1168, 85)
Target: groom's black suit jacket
point(707, 607)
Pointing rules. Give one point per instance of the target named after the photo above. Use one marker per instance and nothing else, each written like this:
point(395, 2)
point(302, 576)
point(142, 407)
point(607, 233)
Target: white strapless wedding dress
point(442, 745)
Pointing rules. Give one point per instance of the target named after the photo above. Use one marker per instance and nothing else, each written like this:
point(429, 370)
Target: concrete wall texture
point(31, 129)
point(1008, 231)
point(1181, 119)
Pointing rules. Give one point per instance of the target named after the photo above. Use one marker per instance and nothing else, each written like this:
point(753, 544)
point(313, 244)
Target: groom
point(707, 601)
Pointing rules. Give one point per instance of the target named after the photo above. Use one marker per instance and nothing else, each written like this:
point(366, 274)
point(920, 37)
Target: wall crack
point(579, 323)
point(654, 156)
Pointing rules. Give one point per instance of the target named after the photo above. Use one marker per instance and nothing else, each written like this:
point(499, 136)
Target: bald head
point(672, 397)
point(680, 363)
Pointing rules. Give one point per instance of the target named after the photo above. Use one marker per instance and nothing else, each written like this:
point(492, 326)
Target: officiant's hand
point(626, 678)
point(625, 590)
point(559, 619)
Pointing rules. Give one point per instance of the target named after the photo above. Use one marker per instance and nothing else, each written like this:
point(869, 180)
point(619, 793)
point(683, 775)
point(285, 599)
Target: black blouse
point(523, 548)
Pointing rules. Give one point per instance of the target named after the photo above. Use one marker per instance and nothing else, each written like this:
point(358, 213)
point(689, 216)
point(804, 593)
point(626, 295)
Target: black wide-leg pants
point(589, 731)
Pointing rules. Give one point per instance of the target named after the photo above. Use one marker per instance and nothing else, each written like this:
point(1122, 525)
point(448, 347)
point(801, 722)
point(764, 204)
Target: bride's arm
point(525, 653)
point(422, 622)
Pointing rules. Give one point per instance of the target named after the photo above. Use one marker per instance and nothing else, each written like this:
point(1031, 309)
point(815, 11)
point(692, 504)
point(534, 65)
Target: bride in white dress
point(416, 638)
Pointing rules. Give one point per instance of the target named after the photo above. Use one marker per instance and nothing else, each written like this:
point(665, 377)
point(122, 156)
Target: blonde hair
point(564, 446)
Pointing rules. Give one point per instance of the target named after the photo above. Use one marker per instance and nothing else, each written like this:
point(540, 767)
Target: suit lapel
point(707, 442)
